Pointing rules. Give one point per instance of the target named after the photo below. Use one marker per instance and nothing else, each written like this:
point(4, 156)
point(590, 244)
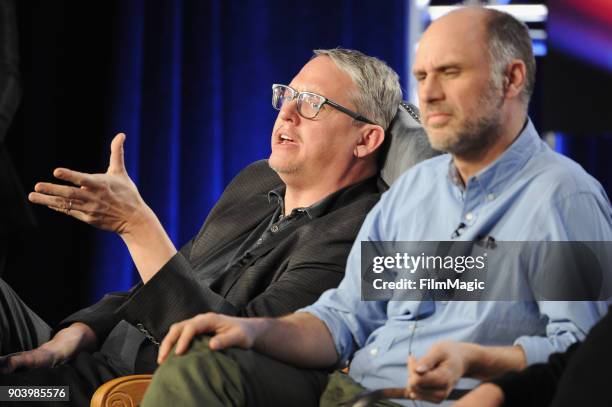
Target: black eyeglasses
point(308, 104)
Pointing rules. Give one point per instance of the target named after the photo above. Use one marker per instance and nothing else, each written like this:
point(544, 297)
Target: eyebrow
point(439, 68)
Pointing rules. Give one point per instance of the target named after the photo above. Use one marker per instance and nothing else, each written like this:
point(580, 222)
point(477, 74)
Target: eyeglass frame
point(330, 102)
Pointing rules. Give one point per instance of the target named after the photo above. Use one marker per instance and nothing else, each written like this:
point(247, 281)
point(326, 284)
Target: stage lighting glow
point(527, 13)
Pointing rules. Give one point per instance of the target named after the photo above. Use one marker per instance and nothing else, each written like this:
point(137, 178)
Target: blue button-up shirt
point(529, 193)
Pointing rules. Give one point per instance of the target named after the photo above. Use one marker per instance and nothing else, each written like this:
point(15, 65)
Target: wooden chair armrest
point(126, 391)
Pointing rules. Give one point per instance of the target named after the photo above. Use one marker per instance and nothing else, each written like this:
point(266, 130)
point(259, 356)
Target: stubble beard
point(475, 136)
point(283, 169)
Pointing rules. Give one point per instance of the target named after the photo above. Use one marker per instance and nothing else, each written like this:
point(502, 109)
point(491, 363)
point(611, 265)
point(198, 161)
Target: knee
point(199, 377)
point(197, 357)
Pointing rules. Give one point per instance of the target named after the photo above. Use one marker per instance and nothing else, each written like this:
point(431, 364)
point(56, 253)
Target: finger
point(434, 379)
point(412, 364)
point(82, 216)
point(81, 179)
point(226, 339)
point(64, 191)
point(117, 161)
point(189, 331)
point(412, 374)
point(166, 346)
point(57, 203)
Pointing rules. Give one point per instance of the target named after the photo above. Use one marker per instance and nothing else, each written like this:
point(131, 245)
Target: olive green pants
point(238, 377)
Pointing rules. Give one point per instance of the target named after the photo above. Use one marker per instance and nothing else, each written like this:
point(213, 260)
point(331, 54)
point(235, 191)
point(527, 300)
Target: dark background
point(189, 83)
point(65, 51)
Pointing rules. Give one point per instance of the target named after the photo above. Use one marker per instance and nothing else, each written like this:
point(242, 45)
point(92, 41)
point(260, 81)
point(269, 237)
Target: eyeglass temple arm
point(354, 115)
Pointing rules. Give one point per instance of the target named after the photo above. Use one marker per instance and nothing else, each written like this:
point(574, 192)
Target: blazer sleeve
point(174, 294)
point(102, 316)
point(312, 262)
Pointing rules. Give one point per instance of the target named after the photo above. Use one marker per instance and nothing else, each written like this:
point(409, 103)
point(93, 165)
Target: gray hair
point(508, 39)
point(378, 90)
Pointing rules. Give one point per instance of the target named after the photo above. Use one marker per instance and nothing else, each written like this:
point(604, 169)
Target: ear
point(371, 136)
point(514, 80)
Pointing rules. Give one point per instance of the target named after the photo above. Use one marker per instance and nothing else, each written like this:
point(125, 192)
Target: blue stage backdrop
point(192, 90)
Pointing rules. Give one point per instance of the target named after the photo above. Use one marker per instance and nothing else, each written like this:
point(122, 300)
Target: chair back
point(406, 144)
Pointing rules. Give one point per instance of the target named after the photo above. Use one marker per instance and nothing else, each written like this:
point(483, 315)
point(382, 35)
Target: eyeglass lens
point(308, 104)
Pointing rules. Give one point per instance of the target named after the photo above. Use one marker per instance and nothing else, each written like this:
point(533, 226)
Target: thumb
point(412, 363)
point(117, 163)
point(430, 360)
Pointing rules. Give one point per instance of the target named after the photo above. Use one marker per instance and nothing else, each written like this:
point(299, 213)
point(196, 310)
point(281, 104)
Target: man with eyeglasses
point(277, 238)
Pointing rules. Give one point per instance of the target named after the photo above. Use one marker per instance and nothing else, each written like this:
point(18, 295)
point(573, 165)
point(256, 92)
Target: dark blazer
point(288, 271)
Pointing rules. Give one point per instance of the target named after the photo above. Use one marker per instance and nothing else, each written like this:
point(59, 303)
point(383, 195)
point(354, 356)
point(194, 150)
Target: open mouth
point(285, 139)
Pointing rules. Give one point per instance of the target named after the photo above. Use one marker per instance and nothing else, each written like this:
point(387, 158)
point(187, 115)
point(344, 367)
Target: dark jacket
point(288, 271)
point(578, 377)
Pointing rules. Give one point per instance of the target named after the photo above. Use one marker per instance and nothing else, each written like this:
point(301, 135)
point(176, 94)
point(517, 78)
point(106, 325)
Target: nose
point(430, 90)
point(288, 112)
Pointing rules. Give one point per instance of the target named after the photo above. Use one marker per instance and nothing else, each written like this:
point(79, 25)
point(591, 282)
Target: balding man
point(475, 72)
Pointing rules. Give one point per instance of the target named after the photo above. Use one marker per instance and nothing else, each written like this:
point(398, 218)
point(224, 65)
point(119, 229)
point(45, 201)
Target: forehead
point(321, 75)
point(453, 39)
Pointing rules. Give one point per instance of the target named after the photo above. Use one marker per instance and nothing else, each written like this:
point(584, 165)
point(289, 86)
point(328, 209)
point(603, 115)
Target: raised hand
point(109, 201)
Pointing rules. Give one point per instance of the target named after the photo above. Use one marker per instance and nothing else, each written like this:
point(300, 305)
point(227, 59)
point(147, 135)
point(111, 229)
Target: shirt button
point(490, 197)
point(274, 228)
point(260, 240)
point(469, 216)
point(374, 351)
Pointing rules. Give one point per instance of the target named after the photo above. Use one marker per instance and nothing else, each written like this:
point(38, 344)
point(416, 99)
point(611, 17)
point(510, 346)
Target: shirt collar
point(495, 177)
point(319, 208)
point(278, 194)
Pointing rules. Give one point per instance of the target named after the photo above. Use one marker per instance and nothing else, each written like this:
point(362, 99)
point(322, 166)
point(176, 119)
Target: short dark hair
point(508, 39)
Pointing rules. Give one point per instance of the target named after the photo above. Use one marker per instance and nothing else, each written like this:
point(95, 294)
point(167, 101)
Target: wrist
point(59, 348)
point(487, 362)
point(87, 338)
point(474, 356)
point(141, 223)
point(260, 327)
point(70, 340)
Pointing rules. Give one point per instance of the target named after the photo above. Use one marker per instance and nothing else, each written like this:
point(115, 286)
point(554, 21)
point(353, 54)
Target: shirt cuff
point(342, 340)
point(171, 295)
point(537, 349)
